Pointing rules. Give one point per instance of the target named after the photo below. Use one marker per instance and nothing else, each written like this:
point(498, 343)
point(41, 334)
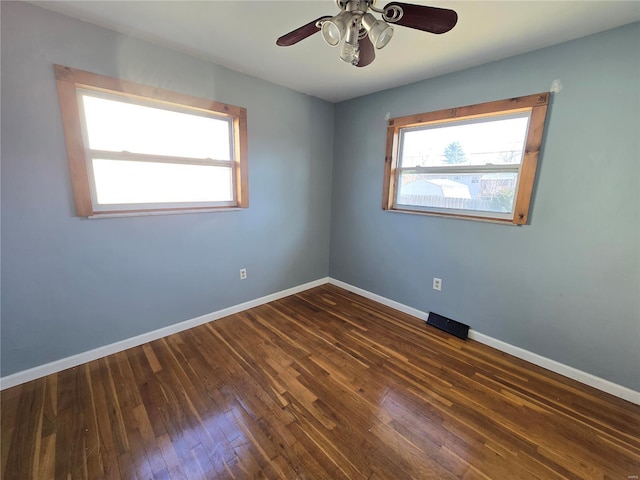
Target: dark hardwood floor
point(320, 385)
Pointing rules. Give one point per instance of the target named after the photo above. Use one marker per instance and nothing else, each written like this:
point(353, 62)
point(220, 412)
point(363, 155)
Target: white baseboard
point(75, 360)
point(380, 299)
point(80, 358)
point(557, 367)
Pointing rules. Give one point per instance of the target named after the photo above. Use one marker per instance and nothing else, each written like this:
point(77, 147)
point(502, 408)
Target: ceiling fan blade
point(300, 33)
point(367, 52)
point(427, 19)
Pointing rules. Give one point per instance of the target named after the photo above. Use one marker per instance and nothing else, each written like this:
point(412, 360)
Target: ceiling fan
point(363, 34)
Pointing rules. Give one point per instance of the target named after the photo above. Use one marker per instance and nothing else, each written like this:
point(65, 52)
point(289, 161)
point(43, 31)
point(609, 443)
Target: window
point(137, 149)
point(477, 162)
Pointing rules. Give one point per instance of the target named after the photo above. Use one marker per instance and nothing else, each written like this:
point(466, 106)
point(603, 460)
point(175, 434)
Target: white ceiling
point(241, 35)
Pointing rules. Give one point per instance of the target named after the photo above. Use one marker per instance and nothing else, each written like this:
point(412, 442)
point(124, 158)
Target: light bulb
point(380, 32)
point(334, 28)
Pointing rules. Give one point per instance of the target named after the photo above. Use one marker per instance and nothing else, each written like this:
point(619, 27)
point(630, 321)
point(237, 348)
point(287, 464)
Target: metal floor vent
point(458, 329)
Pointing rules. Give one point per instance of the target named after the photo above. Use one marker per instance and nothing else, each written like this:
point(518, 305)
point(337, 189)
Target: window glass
point(124, 182)
point(488, 192)
point(492, 141)
point(120, 126)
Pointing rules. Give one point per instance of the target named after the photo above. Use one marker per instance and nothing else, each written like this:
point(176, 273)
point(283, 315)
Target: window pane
point(489, 192)
point(122, 181)
point(120, 126)
point(498, 141)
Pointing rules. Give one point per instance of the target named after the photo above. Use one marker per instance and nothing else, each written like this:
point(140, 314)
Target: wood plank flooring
point(319, 385)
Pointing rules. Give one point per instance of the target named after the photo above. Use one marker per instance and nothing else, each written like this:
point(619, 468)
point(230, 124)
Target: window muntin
point(136, 149)
point(471, 162)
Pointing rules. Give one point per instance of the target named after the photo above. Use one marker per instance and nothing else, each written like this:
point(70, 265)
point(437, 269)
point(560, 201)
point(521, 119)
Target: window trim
point(536, 104)
point(70, 81)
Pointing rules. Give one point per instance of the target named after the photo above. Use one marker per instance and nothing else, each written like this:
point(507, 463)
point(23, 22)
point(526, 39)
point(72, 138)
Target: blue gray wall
point(71, 284)
point(567, 286)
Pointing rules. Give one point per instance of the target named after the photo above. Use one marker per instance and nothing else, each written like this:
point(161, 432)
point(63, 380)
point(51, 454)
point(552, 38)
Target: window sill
point(508, 222)
point(152, 213)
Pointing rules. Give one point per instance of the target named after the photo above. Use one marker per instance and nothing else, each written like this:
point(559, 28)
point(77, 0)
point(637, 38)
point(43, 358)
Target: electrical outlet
point(243, 274)
point(437, 283)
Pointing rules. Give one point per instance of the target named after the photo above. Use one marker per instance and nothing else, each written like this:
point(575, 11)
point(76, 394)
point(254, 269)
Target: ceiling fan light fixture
point(333, 29)
point(350, 54)
point(380, 32)
point(363, 33)
point(351, 48)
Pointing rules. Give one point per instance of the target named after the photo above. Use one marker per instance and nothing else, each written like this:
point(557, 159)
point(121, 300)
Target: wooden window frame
point(70, 80)
point(535, 104)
